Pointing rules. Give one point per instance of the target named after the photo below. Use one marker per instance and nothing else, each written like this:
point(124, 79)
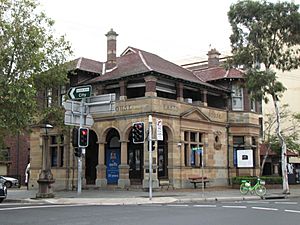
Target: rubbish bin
point(292, 178)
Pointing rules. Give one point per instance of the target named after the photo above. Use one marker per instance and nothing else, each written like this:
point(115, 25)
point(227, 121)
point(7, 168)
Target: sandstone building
point(199, 104)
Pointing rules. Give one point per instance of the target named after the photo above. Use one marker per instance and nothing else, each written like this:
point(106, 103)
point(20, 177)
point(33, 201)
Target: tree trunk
point(264, 160)
point(285, 184)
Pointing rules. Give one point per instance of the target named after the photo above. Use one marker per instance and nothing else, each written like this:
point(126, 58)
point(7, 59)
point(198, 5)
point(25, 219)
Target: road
point(262, 212)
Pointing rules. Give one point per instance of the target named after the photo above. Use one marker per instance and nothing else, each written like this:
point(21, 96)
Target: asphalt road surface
point(262, 212)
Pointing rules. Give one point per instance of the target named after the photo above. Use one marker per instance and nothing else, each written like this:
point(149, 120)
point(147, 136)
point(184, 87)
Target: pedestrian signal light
point(83, 137)
point(75, 137)
point(77, 152)
point(138, 132)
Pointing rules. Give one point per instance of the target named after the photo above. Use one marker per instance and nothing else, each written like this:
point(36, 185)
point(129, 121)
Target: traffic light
point(77, 152)
point(138, 132)
point(75, 137)
point(83, 137)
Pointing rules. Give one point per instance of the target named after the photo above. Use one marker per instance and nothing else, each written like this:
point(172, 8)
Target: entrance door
point(135, 162)
point(162, 157)
point(112, 165)
point(91, 159)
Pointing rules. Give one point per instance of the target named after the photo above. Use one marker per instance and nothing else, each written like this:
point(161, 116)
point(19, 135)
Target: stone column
point(204, 93)
point(123, 167)
point(179, 92)
point(150, 86)
point(123, 93)
point(99, 89)
point(101, 180)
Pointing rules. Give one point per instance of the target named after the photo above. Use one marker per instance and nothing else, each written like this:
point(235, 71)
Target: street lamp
point(45, 177)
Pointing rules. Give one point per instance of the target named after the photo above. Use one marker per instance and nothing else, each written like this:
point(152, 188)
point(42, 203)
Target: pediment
point(194, 114)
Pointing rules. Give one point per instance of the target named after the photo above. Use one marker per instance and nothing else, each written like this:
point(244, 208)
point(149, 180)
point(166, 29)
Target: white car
point(3, 190)
point(10, 181)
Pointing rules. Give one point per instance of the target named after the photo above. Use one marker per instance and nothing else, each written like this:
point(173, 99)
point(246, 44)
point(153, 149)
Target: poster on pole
point(245, 158)
point(159, 130)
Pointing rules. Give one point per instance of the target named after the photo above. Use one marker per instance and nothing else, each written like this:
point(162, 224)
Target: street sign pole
point(79, 159)
point(150, 157)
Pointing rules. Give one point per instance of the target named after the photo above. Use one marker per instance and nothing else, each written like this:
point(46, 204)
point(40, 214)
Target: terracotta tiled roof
point(263, 150)
point(135, 61)
point(264, 147)
point(217, 73)
point(85, 64)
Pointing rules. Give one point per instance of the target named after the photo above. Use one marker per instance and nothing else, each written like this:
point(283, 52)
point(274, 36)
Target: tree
point(266, 36)
point(31, 59)
point(290, 132)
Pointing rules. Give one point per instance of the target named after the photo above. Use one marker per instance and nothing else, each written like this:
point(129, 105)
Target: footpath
point(137, 197)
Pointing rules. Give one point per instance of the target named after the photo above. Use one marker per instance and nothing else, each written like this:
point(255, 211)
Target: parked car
point(10, 181)
point(3, 190)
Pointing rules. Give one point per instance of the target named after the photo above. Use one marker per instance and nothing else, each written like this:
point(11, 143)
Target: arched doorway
point(91, 158)
point(162, 156)
point(112, 156)
point(135, 159)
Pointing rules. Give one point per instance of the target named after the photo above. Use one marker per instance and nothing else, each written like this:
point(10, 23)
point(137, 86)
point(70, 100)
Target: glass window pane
point(186, 135)
point(193, 136)
point(53, 151)
point(61, 163)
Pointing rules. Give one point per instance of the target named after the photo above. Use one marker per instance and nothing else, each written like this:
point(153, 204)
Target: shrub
point(268, 180)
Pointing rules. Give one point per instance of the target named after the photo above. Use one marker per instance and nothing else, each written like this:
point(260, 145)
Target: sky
point(176, 30)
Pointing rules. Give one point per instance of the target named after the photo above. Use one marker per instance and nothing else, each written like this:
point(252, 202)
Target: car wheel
point(1, 200)
point(8, 184)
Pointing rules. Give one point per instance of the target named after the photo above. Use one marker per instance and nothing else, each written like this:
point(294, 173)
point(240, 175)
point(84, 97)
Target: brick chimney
point(213, 58)
point(111, 49)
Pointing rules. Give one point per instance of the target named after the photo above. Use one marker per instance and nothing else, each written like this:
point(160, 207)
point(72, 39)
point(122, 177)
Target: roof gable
point(194, 114)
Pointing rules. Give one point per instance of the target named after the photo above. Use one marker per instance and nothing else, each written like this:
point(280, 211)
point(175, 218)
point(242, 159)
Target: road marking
point(258, 202)
point(286, 203)
point(261, 208)
point(39, 206)
point(204, 206)
point(235, 206)
point(178, 205)
point(292, 211)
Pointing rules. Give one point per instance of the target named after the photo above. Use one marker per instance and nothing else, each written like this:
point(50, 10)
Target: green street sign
point(80, 92)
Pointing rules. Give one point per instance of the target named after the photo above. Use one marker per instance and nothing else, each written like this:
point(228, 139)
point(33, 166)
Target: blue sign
point(112, 165)
point(198, 150)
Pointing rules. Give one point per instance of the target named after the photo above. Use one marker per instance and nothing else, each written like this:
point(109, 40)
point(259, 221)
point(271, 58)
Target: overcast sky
point(176, 30)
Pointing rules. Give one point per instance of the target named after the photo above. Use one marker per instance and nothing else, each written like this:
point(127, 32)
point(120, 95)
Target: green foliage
point(31, 59)
point(290, 130)
point(265, 35)
point(267, 179)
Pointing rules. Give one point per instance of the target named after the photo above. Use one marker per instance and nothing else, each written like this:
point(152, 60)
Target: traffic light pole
point(79, 159)
point(150, 157)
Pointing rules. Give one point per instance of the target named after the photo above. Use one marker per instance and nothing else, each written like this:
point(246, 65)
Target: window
point(237, 97)
point(49, 97)
point(62, 95)
point(254, 148)
point(238, 144)
point(252, 105)
point(192, 148)
point(57, 150)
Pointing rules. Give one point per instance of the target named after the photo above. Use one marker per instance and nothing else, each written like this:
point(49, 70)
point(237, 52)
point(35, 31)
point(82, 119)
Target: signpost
point(80, 113)
point(159, 130)
point(80, 92)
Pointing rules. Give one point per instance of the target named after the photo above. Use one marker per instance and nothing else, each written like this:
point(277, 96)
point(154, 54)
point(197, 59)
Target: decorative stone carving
point(217, 142)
